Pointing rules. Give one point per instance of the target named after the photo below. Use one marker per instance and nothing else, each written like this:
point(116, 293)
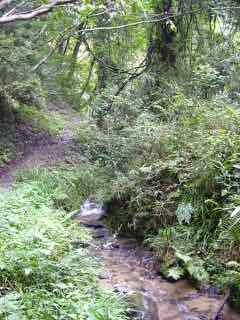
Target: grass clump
point(44, 273)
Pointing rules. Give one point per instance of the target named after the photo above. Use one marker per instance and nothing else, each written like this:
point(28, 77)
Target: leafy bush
point(28, 92)
point(66, 187)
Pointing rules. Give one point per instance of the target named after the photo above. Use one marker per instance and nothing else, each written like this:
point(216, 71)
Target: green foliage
point(196, 270)
point(40, 119)
point(176, 255)
point(163, 143)
point(184, 212)
point(66, 187)
point(175, 273)
point(43, 274)
point(29, 92)
point(7, 129)
point(173, 163)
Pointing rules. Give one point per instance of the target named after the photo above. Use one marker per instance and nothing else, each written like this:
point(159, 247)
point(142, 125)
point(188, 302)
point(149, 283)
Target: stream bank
point(131, 270)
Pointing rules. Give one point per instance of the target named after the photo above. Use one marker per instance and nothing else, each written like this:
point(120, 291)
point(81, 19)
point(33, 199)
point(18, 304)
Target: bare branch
point(90, 71)
point(44, 60)
point(60, 38)
point(34, 13)
point(162, 17)
point(110, 67)
point(13, 10)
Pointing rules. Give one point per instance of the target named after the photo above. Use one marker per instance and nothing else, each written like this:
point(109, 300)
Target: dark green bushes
point(7, 128)
point(29, 92)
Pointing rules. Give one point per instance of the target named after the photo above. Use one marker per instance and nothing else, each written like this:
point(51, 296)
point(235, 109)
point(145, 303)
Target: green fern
point(175, 273)
point(184, 212)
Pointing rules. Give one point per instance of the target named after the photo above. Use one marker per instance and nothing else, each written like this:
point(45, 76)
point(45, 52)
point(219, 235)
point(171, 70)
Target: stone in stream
point(90, 213)
point(111, 245)
point(78, 243)
point(122, 289)
point(104, 276)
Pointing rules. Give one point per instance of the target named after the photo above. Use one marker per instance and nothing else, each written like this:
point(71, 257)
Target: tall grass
point(44, 273)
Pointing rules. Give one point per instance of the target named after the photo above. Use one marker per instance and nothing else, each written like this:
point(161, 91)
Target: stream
point(130, 270)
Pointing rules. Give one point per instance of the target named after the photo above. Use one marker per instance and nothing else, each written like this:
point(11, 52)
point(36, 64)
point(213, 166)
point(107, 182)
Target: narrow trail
point(44, 151)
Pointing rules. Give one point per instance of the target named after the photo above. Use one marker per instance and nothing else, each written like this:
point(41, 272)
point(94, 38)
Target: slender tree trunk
point(74, 58)
point(162, 39)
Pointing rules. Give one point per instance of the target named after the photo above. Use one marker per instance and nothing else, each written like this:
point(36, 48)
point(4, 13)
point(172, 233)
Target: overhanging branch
point(44, 9)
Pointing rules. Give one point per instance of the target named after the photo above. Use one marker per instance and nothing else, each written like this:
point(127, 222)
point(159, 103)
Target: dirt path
point(42, 150)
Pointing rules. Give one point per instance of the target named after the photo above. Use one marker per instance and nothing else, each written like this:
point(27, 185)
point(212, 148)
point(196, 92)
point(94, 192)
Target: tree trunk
point(162, 39)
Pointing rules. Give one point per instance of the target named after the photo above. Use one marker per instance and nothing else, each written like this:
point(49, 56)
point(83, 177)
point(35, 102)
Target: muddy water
point(131, 271)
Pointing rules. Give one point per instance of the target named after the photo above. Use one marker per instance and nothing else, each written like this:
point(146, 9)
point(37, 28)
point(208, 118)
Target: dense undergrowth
point(173, 179)
point(46, 269)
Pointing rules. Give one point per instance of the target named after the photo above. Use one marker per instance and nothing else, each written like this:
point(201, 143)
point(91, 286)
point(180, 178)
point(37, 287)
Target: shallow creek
point(130, 270)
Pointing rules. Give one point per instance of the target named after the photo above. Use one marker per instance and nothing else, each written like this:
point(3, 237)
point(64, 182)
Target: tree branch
point(90, 71)
point(44, 9)
point(13, 10)
point(110, 67)
point(44, 60)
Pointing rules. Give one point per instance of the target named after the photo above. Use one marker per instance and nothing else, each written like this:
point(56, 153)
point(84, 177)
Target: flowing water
point(130, 270)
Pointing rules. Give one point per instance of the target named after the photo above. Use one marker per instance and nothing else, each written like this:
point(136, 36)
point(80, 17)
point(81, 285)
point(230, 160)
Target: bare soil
point(40, 148)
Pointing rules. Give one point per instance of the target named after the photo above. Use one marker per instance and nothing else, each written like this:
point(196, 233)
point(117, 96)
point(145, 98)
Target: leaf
point(175, 273)
point(196, 270)
point(224, 192)
point(172, 26)
point(3, 265)
point(184, 212)
point(145, 169)
point(235, 211)
point(183, 257)
point(61, 285)
point(233, 264)
point(27, 271)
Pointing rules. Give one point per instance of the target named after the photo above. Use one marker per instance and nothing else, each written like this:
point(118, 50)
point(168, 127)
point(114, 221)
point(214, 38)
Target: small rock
point(100, 233)
point(90, 213)
point(80, 244)
point(121, 289)
point(135, 298)
point(104, 276)
point(110, 245)
point(128, 243)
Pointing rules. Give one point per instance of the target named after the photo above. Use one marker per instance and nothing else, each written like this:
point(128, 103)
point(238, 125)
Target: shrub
point(28, 92)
